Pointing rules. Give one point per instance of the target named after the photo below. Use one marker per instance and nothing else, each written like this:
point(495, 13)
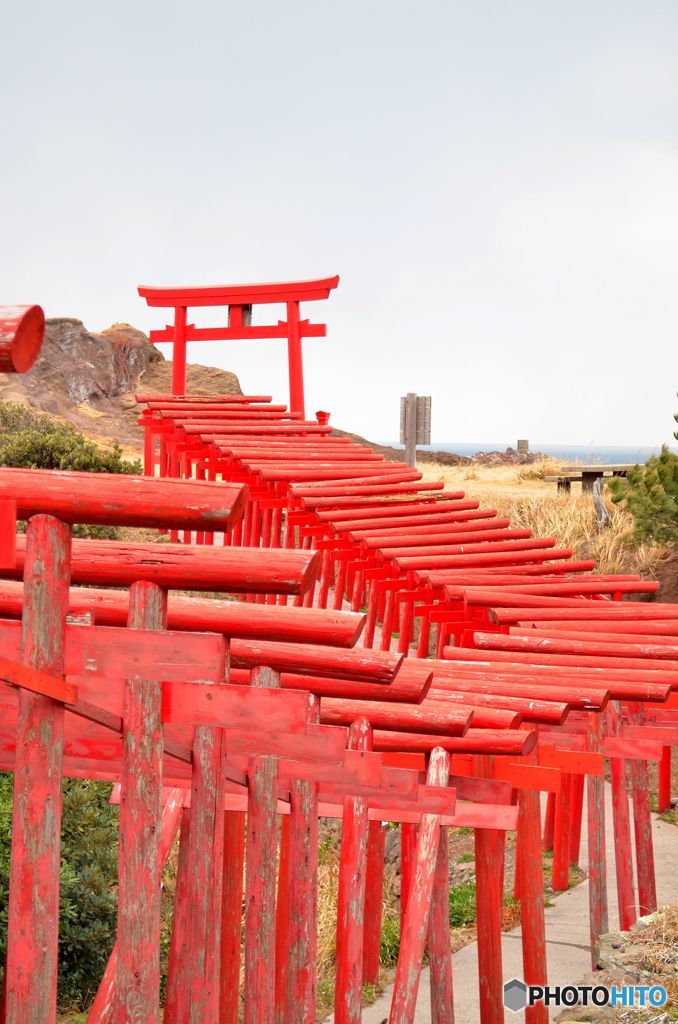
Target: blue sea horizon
point(585, 453)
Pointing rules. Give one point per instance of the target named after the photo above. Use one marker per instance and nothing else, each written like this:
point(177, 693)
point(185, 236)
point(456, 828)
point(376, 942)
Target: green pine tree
point(650, 494)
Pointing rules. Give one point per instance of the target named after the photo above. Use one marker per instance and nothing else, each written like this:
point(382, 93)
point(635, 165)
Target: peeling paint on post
point(626, 899)
point(300, 1002)
point(531, 893)
point(139, 875)
point(351, 897)
point(177, 992)
point(282, 920)
point(231, 915)
point(642, 825)
point(205, 855)
point(595, 795)
point(374, 892)
point(439, 951)
point(260, 878)
point(101, 1010)
point(415, 925)
point(33, 913)
point(408, 842)
point(489, 850)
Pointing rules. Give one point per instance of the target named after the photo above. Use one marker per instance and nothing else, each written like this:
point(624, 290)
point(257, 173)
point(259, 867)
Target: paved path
point(567, 935)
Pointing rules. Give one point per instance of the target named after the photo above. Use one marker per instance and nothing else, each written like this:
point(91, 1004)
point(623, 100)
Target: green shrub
point(390, 941)
point(650, 494)
point(463, 905)
point(37, 441)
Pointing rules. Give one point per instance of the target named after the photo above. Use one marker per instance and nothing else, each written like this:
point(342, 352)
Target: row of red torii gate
point(396, 653)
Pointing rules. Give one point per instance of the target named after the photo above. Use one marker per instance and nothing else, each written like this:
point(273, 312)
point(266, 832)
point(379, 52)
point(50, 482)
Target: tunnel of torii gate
point(240, 300)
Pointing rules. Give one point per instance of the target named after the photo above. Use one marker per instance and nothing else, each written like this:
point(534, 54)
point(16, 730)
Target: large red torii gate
point(240, 298)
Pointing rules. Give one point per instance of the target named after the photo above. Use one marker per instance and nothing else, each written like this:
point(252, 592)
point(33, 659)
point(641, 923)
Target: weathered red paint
point(374, 886)
point(33, 911)
point(260, 880)
point(439, 943)
point(300, 1005)
point(231, 915)
point(351, 896)
point(22, 331)
point(184, 567)
point(137, 987)
point(102, 498)
point(418, 907)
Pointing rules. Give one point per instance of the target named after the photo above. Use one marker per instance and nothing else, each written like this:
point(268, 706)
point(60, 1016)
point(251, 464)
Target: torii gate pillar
point(240, 300)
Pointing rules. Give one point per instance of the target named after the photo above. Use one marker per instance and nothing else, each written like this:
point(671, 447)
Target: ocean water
point(584, 453)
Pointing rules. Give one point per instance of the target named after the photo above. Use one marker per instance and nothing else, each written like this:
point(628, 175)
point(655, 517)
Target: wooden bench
point(587, 475)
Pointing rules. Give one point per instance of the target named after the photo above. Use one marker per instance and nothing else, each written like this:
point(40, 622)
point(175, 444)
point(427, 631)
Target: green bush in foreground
point(650, 494)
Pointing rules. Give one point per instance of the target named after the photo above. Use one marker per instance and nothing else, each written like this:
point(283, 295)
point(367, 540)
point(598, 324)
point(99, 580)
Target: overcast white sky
point(496, 181)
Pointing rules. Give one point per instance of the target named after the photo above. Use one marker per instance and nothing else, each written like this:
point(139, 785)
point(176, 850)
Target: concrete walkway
point(567, 934)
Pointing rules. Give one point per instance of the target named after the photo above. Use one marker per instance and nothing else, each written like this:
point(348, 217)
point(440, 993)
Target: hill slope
point(90, 379)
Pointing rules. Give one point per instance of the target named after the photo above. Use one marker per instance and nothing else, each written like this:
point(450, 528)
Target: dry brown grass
point(520, 494)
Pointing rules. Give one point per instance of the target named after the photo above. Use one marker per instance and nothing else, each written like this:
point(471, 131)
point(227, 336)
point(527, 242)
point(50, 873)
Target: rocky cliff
point(90, 379)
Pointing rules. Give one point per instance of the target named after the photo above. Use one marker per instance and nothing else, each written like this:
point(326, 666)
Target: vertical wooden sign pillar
point(33, 914)
point(415, 424)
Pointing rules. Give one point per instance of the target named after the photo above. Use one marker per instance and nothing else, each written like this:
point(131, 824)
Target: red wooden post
point(549, 821)
point(626, 899)
point(408, 843)
point(415, 925)
point(561, 836)
point(179, 352)
point(300, 1004)
point(296, 366)
point(33, 913)
point(139, 872)
point(595, 796)
point(374, 889)
point(642, 825)
point(489, 851)
point(578, 782)
point(282, 920)
point(101, 1010)
point(489, 855)
point(351, 897)
point(177, 991)
point(205, 855)
point(231, 915)
point(439, 951)
point(664, 792)
point(531, 889)
point(260, 879)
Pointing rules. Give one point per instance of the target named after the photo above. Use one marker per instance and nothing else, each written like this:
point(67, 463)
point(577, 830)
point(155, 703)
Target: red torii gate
point(240, 300)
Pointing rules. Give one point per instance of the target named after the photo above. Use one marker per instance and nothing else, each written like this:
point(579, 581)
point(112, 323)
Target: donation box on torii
point(240, 300)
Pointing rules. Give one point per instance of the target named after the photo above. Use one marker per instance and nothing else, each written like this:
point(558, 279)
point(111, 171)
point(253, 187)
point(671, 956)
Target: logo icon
point(515, 995)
